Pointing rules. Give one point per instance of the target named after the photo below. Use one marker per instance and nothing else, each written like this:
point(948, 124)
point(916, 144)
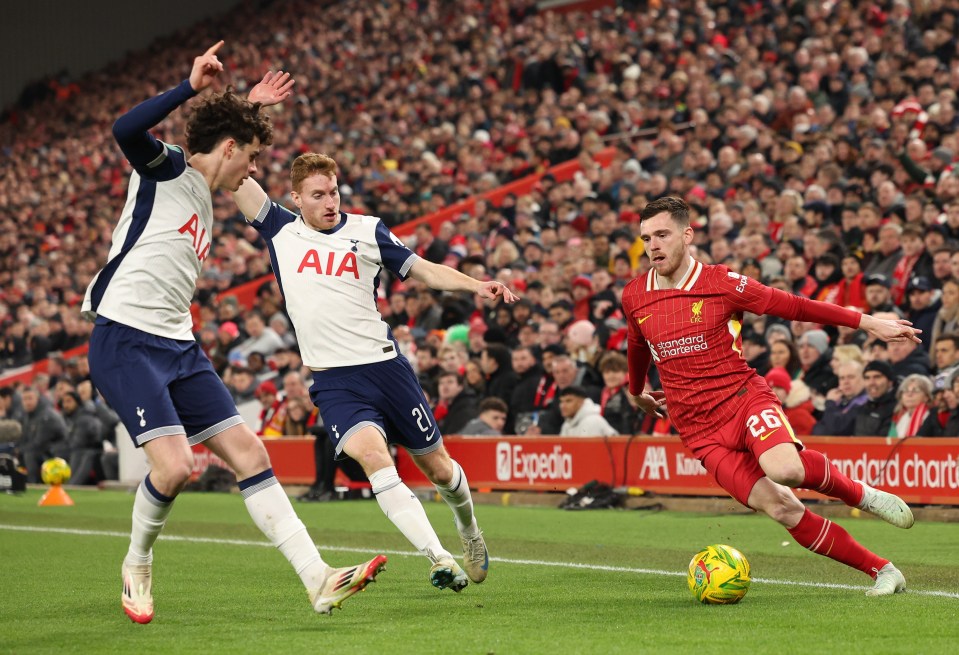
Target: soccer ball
point(718, 575)
point(55, 471)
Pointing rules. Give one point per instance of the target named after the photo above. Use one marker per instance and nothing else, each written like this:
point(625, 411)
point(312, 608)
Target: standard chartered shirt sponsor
point(682, 346)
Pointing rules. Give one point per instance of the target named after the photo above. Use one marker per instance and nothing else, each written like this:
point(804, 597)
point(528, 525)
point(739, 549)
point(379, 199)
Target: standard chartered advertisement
point(910, 470)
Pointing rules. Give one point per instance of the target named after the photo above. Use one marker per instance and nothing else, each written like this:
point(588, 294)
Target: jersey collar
point(685, 284)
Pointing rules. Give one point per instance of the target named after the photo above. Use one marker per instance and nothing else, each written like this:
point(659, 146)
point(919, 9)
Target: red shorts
point(731, 453)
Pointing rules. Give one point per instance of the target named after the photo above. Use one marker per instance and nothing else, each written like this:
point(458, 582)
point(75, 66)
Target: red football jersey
point(693, 335)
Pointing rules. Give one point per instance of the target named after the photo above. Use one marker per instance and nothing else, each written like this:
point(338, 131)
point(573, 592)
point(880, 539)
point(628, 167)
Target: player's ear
point(229, 147)
point(296, 199)
point(688, 235)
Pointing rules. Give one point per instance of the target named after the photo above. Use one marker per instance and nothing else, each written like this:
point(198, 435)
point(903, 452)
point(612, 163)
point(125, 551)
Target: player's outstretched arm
point(250, 198)
point(890, 330)
point(132, 129)
point(444, 278)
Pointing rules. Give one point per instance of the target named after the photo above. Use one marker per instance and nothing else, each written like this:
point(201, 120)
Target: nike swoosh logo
point(768, 434)
point(430, 438)
point(640, 321)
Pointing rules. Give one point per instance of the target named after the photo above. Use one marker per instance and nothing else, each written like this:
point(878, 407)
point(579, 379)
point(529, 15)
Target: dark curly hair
point(226, 115)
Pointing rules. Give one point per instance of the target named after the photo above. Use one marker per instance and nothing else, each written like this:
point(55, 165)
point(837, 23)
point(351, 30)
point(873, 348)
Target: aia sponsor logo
point(200, 239)
point(333, 264)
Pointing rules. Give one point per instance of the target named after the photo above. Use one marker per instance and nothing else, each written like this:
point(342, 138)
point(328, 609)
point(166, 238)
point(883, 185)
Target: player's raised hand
point(649, 401)
point(493, 289)
point(205, 68)
point(273, 89)
point(890, 330)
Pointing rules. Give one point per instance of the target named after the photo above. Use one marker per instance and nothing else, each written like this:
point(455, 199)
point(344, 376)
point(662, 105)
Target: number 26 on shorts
point(765, 423)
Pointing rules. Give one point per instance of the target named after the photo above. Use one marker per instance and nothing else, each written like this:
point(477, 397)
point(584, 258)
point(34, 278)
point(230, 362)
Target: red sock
point(823, 476)
point(825, 538)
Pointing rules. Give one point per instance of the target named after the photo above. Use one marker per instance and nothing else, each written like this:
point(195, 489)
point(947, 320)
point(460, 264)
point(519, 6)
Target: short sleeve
point(271, 219)
point(394, 254)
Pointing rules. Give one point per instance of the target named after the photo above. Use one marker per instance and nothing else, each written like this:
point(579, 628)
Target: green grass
point(548, 590)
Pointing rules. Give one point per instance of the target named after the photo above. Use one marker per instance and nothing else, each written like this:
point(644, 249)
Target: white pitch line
point(406, 553)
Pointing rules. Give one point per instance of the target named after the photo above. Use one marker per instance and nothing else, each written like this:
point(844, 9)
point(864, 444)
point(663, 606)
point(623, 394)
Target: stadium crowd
point(816, 142)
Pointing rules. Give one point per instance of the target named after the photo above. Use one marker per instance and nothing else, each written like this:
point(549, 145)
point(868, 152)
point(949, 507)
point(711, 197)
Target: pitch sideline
point(406, 553)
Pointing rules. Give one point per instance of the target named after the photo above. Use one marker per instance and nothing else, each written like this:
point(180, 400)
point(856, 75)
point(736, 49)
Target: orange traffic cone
point(55, 497)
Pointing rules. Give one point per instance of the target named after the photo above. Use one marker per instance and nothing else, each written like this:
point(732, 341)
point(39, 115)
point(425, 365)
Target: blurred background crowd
point(815, 141)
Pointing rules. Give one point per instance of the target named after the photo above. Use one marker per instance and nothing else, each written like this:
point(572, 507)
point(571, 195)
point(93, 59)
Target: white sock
point(272, 512)
point(406, 512)
point(150, 510)
point(457, 496)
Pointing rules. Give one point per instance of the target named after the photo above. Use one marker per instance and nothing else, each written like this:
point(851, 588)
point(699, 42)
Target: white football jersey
point(329, 279)
point(158, 249)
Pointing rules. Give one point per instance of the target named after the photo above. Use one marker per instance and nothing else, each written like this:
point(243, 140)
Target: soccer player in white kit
point(143, 356)
point(327, 264)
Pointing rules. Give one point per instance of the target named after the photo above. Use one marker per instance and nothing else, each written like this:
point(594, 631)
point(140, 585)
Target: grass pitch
point(603, 581)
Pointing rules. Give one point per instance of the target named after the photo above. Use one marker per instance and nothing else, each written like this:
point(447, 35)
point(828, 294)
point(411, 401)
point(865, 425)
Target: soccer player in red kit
point(685, 316)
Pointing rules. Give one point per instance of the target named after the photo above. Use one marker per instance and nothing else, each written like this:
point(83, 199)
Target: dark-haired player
point(143, 357)
point(686, 316)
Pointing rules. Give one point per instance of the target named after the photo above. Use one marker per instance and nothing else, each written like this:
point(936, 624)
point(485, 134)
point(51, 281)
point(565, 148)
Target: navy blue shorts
point(386, 395)
point(159, 386)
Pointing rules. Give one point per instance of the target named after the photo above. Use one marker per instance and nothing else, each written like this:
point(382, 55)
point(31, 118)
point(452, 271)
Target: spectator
point(299, 417)
point(942, 264)
point(109, 420)
point(915, 262)
point(491, 419)
point(875, 417)
point(914, 398)
point(581, 416)
point(266, 394)
point(10, 405)
point(947, 318)
point(756, 351)
point(814, 357)
point(946, 354)
point(943, 421)
point(261, 339)
point(84, 442)
point(475, 378)
point(561, 313)
point(907, 359)
point(565, 374)
point(843, 403)
point(498, 369)
point(614, 402)
point(427, 367)
point(887, 254)
point(796, 400)
point(783, 353)
point(241, 384)
point(878, 295)
point(43, 432)
point(532, 391)
point(922, 308)
point(456, 404)
point(851, 289)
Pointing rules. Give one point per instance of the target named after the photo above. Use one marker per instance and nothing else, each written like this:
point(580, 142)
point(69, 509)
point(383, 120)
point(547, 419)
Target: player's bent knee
point(437, 466)
point(789, 475)
point(784, 508)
